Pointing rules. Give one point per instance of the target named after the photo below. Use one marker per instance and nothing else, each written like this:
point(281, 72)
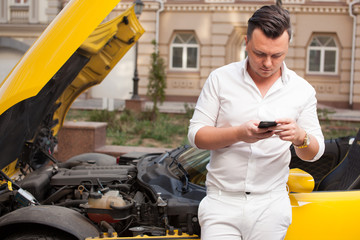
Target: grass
point(170, 130)
point(333, 128)
point(136, 129)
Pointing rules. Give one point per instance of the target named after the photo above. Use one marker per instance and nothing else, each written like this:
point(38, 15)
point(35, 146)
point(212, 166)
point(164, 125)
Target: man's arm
point(211, 138)
point(309, 152)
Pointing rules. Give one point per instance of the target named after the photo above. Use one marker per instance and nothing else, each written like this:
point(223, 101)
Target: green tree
point(157, 81)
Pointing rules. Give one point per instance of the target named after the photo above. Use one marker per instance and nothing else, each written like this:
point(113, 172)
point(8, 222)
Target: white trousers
point(235, 216)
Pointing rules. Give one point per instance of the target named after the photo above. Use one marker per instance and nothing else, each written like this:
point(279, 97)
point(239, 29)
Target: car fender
point(61, 218)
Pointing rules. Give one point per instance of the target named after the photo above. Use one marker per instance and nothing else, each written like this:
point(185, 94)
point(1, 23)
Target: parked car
point(150, 196)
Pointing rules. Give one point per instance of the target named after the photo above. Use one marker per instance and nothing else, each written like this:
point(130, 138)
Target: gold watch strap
point(305, 143)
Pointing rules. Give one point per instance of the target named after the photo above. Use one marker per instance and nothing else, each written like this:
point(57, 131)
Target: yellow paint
point(53, 48)
point(300, 181)
point(325, 215)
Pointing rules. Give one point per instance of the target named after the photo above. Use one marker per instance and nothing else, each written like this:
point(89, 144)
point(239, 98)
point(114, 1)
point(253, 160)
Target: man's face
point(266, 55)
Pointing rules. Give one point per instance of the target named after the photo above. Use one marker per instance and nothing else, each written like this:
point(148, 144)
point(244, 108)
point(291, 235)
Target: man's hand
point(288, 130)
point(252, 133)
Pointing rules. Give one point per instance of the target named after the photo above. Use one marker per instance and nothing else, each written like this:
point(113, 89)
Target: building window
point(322, 55)
point(21, 2)
point(184, 52)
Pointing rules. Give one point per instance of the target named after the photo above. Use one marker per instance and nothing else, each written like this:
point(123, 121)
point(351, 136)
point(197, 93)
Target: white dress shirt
point(231, 98)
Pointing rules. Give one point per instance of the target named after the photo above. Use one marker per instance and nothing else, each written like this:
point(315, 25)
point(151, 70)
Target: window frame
point(323, 50)
point(184, 46)
point(21, 3)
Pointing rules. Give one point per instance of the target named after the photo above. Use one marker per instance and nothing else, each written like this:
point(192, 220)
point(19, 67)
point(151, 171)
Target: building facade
point(21, 22)
point(196, 36)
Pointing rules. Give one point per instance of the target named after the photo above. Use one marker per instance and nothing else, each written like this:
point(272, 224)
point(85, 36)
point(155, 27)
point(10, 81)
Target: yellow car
point(152, 196)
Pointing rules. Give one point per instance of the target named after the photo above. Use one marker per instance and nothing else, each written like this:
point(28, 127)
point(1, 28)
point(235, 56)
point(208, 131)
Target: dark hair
point(272, 20)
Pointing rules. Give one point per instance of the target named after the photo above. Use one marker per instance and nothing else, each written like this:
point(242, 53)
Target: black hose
point(109, 229)
point(63, 191)
point(71, 203)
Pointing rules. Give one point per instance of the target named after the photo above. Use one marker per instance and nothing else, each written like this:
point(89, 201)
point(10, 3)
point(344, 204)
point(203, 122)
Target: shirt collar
point(285, 78)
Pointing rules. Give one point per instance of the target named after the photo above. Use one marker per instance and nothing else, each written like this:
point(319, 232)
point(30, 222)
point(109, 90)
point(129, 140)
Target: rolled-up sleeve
point(309, 121)
point(206, 109)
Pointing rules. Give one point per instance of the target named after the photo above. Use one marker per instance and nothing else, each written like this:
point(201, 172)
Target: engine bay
point(137, 196)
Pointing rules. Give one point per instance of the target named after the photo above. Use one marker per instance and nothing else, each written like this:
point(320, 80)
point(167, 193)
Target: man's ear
point(246, 42)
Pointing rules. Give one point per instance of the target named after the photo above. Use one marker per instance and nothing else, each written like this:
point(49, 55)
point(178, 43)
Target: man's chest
point(238, 105)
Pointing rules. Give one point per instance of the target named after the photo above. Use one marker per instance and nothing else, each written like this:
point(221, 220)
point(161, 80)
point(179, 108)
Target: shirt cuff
point(321, 149)
point(193, 129)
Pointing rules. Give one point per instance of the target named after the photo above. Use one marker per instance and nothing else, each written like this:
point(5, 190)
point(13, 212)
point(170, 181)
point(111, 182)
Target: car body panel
point(327, 215)
point(57, 43)
point(107, 44)
point(73, 54)
point(300, 181)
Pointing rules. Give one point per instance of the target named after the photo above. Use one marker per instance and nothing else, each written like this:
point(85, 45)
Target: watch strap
point(305, 143)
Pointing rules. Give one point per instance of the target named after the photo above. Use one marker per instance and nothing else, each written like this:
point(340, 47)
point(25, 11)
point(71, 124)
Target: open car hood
point(74, 53)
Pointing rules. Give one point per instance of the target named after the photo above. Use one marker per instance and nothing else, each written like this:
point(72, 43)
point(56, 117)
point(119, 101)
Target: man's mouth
point(266, 70)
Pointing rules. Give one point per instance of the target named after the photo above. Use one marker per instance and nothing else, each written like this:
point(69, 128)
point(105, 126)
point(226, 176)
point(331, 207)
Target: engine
point(140, 196)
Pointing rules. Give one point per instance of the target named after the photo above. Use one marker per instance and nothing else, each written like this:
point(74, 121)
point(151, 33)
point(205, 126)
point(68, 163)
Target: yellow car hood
point(74, 53)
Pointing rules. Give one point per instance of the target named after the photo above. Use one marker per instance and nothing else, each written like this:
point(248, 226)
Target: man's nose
point(267, 62)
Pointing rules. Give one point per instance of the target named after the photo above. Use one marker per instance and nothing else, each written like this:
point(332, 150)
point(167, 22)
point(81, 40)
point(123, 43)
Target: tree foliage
point(157, 81)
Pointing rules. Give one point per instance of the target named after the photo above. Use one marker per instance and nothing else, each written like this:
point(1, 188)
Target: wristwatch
point(305, 143)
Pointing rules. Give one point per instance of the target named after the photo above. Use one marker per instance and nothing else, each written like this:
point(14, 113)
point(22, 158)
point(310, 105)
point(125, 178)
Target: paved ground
point(343, 114)
point(169, 107)
point(179, 107)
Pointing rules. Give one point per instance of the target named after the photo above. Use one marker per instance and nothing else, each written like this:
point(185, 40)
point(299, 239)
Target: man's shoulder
point(294, 78)
point(233, 67)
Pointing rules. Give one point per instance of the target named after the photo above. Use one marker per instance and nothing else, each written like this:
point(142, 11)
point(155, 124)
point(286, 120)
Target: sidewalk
point(117, 104)
point(179, 107)
point(342, 114)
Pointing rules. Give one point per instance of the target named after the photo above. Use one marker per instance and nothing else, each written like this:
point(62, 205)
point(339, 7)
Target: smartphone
point(266, 124)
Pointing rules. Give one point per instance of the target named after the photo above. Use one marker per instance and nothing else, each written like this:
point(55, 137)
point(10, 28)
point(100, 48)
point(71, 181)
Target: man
point(249, 166)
